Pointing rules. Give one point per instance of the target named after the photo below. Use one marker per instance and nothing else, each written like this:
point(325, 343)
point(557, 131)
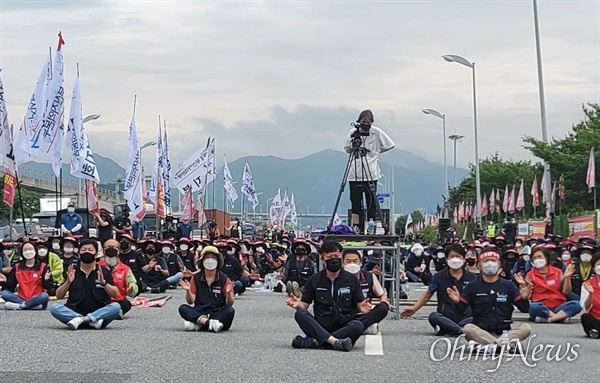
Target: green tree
point(31, 203)
point(569, 157)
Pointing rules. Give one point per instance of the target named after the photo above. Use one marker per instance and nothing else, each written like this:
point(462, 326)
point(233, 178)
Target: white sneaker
point(12, 306)
point(215, 325)
point(372, 329)
point(75, 323)
point(97, 324)
point(189, 326)
point(436, 330)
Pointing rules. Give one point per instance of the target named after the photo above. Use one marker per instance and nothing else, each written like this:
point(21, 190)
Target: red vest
point(547, 291)
point(595, 309)
point(30, 281)
point(119, 274)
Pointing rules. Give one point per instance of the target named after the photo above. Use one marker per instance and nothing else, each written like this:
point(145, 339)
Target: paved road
point(151, 346)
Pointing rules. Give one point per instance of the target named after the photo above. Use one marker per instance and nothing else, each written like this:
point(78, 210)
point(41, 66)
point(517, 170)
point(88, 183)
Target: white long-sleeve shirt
point(376, 143)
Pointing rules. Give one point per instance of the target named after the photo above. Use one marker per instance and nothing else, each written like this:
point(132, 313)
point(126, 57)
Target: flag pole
point(157, 220)
point(20, 202)
point(87, 205)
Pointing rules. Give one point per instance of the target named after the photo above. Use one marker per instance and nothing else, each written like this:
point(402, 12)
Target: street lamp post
point(437, 114)
point(456, 138)
point(463, 61)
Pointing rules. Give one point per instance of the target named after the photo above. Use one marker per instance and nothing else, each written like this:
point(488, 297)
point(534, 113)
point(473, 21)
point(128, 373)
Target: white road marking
point(374, 344)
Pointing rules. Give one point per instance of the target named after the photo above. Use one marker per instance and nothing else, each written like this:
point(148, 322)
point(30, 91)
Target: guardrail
point(47, 181)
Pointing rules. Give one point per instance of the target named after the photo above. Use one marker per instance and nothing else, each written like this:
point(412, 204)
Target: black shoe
point(302, 342)
point(343, 344)
point(154, 290)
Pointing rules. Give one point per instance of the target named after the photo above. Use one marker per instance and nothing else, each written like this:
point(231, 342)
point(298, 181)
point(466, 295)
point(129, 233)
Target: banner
point(10, 179)
point(27, 143)
point(91, 192)
point(211, 169)
point(188, 206)
point(523, 232)
point(535, 194)
point(293, 213)
point(520, 204)
point(248, 188)
point(166, 172)
point(193, 171)
point(228, 183)
point(133, 175)
point(537, 229)
point(581, 226)
point(285, 209)
point(590, 178)
point(201, 213)
point(155, 190)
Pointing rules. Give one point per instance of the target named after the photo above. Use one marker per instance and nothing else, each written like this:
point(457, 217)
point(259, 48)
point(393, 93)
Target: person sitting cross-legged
point(211, 293)
point(122, 276)
point(590, 302)
point(447, 320)
point(27, 282)
point(90, 288)
point(337, 297)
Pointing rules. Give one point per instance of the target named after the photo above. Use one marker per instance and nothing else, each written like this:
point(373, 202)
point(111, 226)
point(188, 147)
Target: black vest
point(333, 312)
point(366, 284)
point(300, 271)
point(210, 297)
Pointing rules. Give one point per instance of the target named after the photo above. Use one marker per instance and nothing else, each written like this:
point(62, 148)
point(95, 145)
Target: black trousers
point(357, 190)
point(376, 315)
point(161, 286)
point(313, 329)
point(589, 322)
point(125, 305)
point(192, 314)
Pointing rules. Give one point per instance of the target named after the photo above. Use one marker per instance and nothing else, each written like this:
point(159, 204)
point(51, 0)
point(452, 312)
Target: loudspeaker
point(443, 229)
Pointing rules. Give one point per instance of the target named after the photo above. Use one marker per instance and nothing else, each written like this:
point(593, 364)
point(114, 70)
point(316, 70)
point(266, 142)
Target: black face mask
point(365, 127)
point(301, 251)
point(150, 251)
point(124, 246)
point(111, 252)
point(470, 261)
point(334, 264)
point(87, 257)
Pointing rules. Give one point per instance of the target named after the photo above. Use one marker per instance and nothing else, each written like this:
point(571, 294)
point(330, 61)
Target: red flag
point(188, 206)
point(484, 206)
point(520, 204)
point(505, 200)
point(590, 179)
point(511, 201)
point(543, 187)
point(201, 214)
point(535, 192)
point(561, 186)
point(91, 193)
point(456, 215)
point(461, 211)
point(160, 200)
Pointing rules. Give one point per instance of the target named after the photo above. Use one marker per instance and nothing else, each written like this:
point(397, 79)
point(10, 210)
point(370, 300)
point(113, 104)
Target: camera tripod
point(357, 152)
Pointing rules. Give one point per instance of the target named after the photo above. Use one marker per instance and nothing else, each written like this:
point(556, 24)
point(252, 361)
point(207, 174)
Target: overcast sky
point(287, 78)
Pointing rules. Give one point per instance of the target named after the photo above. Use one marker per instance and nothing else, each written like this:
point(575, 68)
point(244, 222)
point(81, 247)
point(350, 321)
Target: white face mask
point(166, 250)
point(230, 252)
point(455, 263)
point(585, 257)
point(210, 263)
point(418, 252)
point(490, 268)
point(42, 252)
point(597, 270)
point(70, 210)
point(183, 247)
point(7, 252)
point(56, 246)
point(566, 256)
point(29, 254)
point(526, 258)
point(441, 255)
point(68, 250)
point(539, 263)
point(133, 247)
point(352, 268)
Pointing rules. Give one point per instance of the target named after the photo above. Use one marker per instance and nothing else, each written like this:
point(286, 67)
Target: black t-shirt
point(86, 295)
point(73, 260)
point(440, 283)
point(122, 222)
point(105, 232)
point(189, 261)
point(232, 268)
point(154, 276)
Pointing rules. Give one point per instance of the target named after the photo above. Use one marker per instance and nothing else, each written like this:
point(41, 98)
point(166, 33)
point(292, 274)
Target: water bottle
point(504, 339)
point(371, 227)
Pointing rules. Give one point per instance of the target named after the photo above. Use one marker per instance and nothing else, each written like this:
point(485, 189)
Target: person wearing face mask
point(71, 223)
point(122, 224)
point(447, 319)
point(156, 271)
point(232, 267)
point(565, 256)
point(471, 262)
point(491, 301)
point(523, 264)
point(7, 252)
point(583, 268)
point(187, 254)
point(134, 258)
point(54, 263)
point(337, 297)
point(364, 171)
point(184, 229)
point(590, 302)
point(175, 265)
point(104, 225)
point(439, 261)
point(298, 269)
point(509, 259)
point(90, 289)
point(32, 277)
point(416, 265)
point(55, 246)
point(122, 276)
point(70, 258)
point(371, 289)
point(211, 293)
point(549, 290)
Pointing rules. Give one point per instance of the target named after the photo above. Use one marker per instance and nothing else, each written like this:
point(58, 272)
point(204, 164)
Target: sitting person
point(27, 282)
point(122, 276)
point(69, 248)
point(133, 258)
point(175, 265)
point(90, 289)
point(298, 269)
point(417, 269)
point(523, 264)
point(232, 267)
point(549, 290)
point(491, 300)
point(471, 262)
point(154, 280)
point(187, 254)
point(447, 320)
point(337, 298)
point(590, 302)
point(371, 289)
point(582, 268)
point(54, 262)
point(211, 293)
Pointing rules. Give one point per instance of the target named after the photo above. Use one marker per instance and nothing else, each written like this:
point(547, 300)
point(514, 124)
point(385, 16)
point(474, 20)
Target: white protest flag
point(188, 206)
point(10, 173)
point(193, 171)
point(166, 173)
point(293, 213)
point(133, 175)
point(232, 195)
point(157, 168)
point(285, 208)
point(337, 220)
point(248, 188)
point(53, 130)
point(211, 170)
point(409, 222)
point(27, 143)
point(277, 200)
point(82, 157)
point(273, 215)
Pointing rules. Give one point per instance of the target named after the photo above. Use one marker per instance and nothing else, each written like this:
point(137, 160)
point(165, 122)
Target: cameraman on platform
point(374, 141)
